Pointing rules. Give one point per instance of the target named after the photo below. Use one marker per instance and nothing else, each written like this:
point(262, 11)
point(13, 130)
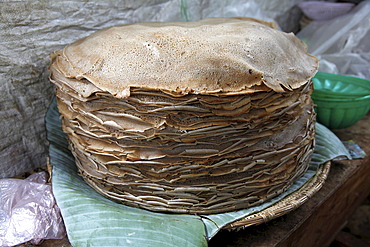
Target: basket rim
point(287, 204)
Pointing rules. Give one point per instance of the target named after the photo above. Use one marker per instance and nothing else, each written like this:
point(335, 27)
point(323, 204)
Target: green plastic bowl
point(340, 101)
point(340, 86)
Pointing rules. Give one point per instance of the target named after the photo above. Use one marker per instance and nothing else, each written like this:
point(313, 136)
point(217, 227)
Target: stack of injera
point(188, 117)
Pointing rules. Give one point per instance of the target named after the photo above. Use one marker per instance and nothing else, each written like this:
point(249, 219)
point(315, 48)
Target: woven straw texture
point(288, 203)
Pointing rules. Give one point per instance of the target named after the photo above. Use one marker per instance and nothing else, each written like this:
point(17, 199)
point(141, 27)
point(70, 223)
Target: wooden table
point(316, 222)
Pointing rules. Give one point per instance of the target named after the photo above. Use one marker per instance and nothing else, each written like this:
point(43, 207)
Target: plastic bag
point(341, 44)
point(28, 211)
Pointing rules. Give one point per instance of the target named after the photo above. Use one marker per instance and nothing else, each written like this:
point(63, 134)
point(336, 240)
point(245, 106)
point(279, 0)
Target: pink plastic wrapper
point(28, 211)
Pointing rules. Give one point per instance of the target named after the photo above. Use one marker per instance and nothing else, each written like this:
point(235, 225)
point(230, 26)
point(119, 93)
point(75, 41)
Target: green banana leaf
point(93, 220)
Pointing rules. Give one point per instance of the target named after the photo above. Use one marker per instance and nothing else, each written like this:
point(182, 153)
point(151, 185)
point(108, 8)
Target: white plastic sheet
point(342, 44)
point(28, 211)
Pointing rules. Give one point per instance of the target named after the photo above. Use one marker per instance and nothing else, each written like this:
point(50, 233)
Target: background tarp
point(31, 30)
point(342, 44)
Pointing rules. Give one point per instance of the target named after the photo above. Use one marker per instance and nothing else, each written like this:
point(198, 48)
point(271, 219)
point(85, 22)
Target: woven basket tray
point(287, 204)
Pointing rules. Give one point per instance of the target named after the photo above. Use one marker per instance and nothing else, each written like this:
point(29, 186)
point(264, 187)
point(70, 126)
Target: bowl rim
point(339, 77)
point(345, 80)
point(363, 98)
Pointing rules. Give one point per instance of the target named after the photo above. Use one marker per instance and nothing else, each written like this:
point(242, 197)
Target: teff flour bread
point(188, 117)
